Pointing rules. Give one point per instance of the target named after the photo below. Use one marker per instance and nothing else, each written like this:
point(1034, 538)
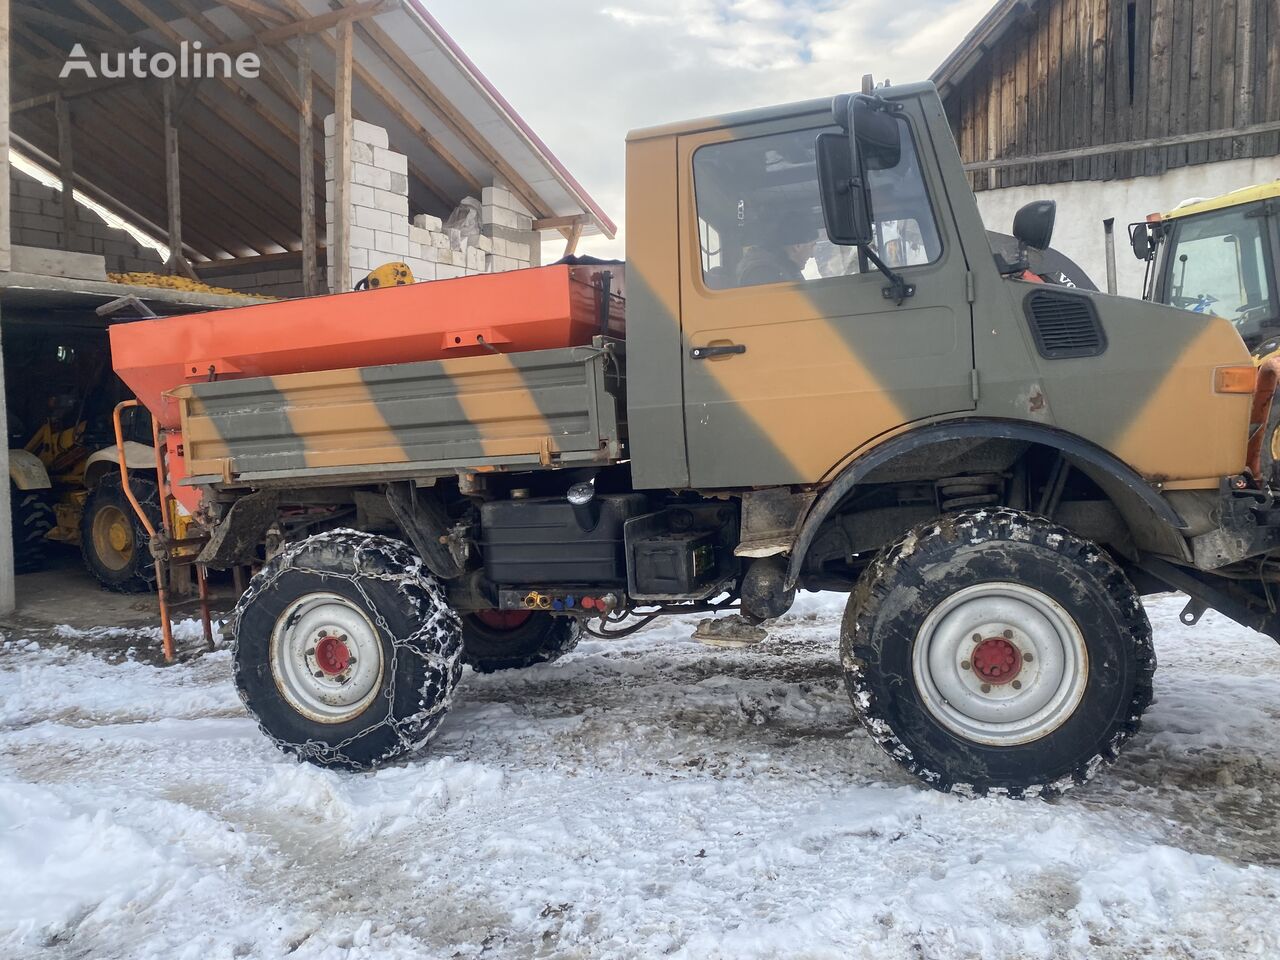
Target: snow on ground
point(647, 796)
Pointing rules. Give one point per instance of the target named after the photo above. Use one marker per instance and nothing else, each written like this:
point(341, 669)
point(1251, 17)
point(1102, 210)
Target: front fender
point(27, 471)
point(1097, 462)
point(137, 456)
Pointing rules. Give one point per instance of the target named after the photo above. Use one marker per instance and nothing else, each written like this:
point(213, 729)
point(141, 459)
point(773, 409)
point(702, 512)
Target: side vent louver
point(1064, 325)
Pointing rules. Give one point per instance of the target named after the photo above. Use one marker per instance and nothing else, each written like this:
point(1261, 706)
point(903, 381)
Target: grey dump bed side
point(520, 411)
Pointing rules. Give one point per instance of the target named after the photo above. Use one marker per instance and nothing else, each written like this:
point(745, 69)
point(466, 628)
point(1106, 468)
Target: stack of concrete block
point(508, 224)
point(378, 196)
point(381, 231)
point(437, 254)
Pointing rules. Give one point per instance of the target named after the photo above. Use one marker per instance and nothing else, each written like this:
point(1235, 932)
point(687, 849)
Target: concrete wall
point(1082, 206)
point(285, 282)
point(489, 235)
point(36, 212)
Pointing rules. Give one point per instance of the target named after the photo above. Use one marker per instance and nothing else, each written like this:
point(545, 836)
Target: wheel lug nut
point(319, 673)
point(986, 688)
point(1027, 657)
point(1017, 684)
point(311, 651)
point(1008, 634)
point(965, 665)
point(977, 638)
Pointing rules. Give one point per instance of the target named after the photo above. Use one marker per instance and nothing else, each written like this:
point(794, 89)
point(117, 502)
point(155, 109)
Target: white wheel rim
point(1029, 674)
point(326, 658)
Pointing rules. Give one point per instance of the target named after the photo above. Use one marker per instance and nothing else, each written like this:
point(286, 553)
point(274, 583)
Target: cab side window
point(760, 215)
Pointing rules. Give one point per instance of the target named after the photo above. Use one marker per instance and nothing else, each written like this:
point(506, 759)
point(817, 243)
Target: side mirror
point(1141, 241)
point(872, 141)
point(845, 207)
point(1033, 224)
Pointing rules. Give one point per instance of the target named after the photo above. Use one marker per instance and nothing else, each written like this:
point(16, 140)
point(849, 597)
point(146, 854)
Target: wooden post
point(307, 168)
point(340, 252)
point(66, 170)
point(7, 598)
point(4, 156)
point(571, 237)
point(177, 262)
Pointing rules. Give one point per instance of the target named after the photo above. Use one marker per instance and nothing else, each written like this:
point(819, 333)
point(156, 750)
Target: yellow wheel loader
point(1221, 256)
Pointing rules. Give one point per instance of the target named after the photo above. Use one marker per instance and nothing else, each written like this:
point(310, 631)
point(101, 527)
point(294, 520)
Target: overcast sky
point(584, 72)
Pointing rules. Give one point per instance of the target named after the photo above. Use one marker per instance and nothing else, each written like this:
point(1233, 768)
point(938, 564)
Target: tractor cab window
point(1218, 263)
point(760, 214)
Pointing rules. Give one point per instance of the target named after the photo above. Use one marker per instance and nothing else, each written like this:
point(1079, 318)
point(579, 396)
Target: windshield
point(1218, 263)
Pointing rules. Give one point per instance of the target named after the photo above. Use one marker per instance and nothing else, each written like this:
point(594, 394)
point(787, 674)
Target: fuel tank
point(540, 308)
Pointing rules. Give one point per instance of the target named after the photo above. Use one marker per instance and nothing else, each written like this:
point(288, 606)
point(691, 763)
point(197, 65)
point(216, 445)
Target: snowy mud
point(642, 797)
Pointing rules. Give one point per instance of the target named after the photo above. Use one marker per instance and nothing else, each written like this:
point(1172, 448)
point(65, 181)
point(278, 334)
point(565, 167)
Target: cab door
point(789, 367)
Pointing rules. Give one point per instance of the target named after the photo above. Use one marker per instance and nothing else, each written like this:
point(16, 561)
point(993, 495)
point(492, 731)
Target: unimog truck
point(811, 373)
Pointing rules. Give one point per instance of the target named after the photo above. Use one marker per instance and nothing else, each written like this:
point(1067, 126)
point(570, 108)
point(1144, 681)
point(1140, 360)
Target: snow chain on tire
point(990, 550)
point(420, 637)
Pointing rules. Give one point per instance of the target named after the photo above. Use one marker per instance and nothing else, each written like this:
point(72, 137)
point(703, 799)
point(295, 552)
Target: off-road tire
point(32, 519)
point(929, 565)
point(540, 639)
point(418, 635)
point(136, 573)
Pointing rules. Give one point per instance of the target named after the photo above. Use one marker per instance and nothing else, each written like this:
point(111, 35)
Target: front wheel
point(113, 541)
point(346, 651)
point(992, 651)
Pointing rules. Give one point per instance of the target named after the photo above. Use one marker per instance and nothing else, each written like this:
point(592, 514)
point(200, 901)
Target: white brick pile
point(432, 255)
point(508, 225)
point(382, 231)
point(378, 195)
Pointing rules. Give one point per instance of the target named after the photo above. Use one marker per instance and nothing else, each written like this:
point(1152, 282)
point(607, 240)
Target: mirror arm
point(898, 288)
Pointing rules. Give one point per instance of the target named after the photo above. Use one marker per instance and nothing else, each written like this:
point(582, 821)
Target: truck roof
point(819, 106)
point(1260, 191)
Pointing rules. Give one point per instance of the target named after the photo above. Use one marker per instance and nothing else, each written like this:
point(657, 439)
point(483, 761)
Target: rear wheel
point(510, 639)
point(993, 651)
point(113, 541)
point(32, 519)
point(346, 651)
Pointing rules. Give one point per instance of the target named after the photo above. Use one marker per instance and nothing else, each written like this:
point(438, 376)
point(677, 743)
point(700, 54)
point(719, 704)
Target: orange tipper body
point(537, 309)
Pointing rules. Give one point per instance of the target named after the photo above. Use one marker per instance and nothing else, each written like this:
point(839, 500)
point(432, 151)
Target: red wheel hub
point(332, 655)
point(503, 619)
point(996, 660)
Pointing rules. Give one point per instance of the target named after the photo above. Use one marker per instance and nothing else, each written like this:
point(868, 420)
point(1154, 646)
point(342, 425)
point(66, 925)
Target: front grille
point(1064, 325)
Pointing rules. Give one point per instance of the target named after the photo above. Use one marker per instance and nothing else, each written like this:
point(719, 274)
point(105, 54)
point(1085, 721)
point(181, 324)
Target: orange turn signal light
point(1239, 379)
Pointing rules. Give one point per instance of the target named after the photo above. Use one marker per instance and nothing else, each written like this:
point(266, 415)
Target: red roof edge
point(610, 227)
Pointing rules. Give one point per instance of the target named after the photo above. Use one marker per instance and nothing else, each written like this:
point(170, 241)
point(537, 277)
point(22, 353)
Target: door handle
point(717, 350)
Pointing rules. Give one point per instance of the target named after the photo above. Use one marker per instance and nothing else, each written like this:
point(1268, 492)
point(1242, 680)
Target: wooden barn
point(1116, 109)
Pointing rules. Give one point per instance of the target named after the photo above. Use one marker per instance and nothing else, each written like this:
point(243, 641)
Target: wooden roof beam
point(257, 8)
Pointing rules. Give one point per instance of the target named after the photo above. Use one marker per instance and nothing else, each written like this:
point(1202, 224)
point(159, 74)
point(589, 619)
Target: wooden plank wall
point(1078, 73)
